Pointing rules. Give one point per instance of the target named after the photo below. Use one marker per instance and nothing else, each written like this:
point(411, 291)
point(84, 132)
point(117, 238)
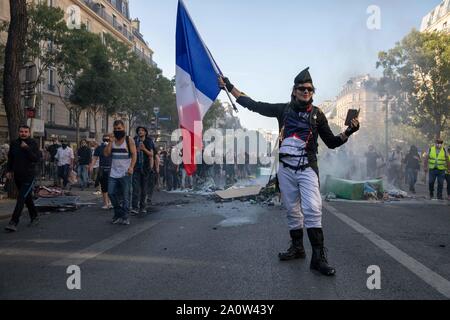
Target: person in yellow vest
point(437, 162)
point(447, 175)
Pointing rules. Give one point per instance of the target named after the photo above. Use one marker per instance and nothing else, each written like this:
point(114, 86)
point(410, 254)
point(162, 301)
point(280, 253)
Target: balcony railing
point(96, 7)
point(144, 57)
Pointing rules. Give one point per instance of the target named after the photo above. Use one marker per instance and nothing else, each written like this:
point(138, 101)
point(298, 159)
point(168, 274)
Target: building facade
point(360, 93)
point(53, 119)
point(438, 19)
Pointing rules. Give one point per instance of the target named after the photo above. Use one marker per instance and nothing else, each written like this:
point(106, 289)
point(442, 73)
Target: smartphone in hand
point(352, 114)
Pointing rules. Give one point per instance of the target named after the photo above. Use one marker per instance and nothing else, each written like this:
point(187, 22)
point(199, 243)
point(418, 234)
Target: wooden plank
point(234, 193)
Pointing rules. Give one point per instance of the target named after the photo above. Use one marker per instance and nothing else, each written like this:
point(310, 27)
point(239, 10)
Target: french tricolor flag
point(196, 85)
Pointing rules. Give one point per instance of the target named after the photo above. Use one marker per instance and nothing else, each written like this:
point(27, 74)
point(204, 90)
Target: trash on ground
point(353, 190)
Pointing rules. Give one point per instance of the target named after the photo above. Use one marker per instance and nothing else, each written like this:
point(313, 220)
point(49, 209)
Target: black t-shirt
point(104, 162)
point(412, 161)
point(53, 149)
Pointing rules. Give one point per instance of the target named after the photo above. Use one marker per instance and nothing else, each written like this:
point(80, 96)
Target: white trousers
point(300, 193)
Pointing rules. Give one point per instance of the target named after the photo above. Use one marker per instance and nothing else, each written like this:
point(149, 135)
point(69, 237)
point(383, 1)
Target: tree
point(215, 117)
point(417, 81)
point(14, 52)
point(85, 82)
point(3, 28)
point(47, 31)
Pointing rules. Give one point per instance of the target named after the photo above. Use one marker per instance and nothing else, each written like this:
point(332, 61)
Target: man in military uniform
point(301, 124)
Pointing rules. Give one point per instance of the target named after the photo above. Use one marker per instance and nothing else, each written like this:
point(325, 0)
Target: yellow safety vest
point(437, 161)
point(448, 168)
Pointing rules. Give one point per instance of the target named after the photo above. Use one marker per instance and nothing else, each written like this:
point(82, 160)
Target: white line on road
point(100, 247)
point(429, 276)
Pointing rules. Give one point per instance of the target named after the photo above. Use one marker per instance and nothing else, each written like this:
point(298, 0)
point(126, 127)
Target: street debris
point(239, 192)
point(335, 188)
point(60, 204)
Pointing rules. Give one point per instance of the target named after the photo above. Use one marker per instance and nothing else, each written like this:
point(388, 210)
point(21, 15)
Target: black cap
point(139, 128)
point(304, 77)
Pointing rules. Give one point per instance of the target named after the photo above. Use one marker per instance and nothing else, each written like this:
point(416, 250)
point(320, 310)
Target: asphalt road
point(192, 248)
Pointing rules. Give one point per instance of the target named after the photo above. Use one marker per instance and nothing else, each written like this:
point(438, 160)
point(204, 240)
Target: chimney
point(136, 23)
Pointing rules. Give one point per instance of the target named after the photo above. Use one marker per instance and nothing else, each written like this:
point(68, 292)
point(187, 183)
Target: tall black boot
point(319, 260)
point(296, 251)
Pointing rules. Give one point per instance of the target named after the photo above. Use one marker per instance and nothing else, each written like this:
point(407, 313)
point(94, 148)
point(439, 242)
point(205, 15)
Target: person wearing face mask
point(23, 156)
point(447, 174)
point(104, 170)
point(301, 124)
point(436, 163)
point(84, 159)
point(65, 161)
point(122, 149)
point(142, 171)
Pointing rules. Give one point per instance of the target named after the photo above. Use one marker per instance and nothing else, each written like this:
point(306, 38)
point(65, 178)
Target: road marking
point(100, 247)
point(436, 281)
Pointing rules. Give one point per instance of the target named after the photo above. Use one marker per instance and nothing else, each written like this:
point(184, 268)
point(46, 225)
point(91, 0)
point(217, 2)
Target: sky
point(262, 45)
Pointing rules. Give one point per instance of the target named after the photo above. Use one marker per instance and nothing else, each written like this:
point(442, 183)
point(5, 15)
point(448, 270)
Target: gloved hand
point(225, 82)
point(354, 127)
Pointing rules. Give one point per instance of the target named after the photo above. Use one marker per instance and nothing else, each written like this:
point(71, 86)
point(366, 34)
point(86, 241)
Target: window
point(88, 25)
point(104, 37)
point(51, 113)
point(50, 46)
point(28, 74)
point(104, 123)
point(51, 80)
point(72, 118)
point(50, 3)
point(114, 20)
point(87, 120)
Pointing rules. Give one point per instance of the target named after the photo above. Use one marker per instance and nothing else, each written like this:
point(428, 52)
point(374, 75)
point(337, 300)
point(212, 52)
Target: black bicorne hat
point(303, 77)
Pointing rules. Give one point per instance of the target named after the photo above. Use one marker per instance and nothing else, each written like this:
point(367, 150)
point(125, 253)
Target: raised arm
point(266, 109)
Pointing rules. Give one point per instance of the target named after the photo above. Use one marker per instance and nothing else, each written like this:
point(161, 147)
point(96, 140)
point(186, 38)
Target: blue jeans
point(440, 176)
point(119, 191)
point(83, 174)
point(411, 177)
point(140, 189)
point(63, 173)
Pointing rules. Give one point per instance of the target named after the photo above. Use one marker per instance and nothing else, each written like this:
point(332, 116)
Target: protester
point(447, 175)
point(23, 156)
point(123, 151)
point(141, 174)
point(104, 170)
point(436, 163)
point(84, 154)
point(301, 124)
point(153, 181)
point(65, 160)
point(53, 149)
point(395, 167)
point(412, 168)
point(371, 162)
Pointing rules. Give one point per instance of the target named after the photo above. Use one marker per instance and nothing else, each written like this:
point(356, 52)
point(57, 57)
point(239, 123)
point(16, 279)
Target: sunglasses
point(303, 89)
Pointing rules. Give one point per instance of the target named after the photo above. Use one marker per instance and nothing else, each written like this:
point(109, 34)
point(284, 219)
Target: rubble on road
point(60, 204)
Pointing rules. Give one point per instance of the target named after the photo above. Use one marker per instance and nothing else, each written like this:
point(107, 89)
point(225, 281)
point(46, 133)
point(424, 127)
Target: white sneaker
point(105, 207)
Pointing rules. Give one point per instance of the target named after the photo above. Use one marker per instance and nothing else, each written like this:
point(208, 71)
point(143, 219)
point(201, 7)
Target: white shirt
point(121, 160)
point(64, 157)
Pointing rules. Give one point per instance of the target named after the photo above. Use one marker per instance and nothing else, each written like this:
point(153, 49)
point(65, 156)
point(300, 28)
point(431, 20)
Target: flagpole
point(232, 103)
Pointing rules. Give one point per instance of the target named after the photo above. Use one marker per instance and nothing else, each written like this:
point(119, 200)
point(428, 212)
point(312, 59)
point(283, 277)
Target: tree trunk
point(14, 51)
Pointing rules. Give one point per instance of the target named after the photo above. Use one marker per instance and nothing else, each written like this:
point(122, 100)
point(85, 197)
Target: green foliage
point(46, 33)
point(417, 76)
point(3, 28)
